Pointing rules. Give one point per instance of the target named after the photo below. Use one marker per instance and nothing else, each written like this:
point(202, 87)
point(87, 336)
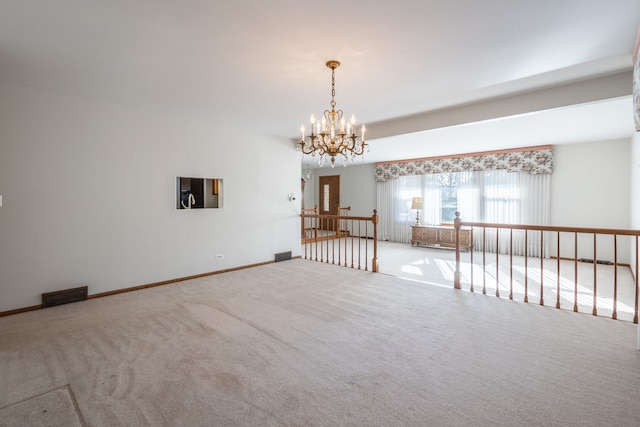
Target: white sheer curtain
point(431, 201)
point(470, 196)
point(483, 196)
point(394, 205)
point(515, 198)
point(394, 208)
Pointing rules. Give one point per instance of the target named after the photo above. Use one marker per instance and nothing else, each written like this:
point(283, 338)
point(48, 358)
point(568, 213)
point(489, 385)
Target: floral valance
point(533, 161)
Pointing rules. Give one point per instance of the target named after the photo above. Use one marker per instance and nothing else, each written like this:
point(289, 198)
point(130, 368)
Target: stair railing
point(348, 241)
point(541, 276)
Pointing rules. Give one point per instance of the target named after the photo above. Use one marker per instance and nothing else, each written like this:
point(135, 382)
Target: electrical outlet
point(219, 256)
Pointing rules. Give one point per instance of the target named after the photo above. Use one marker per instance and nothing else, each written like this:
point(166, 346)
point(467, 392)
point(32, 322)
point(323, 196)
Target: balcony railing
point(541, 265)
point(348, 241)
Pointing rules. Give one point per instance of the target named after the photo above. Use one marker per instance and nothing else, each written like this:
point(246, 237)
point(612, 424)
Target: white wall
point(635, 181)
point(89, 196)
point(591, 187)
point(635, 194)
point(635, 203)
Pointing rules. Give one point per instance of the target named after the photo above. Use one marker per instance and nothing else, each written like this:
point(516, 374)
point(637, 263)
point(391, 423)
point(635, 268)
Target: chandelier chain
point(333, 89)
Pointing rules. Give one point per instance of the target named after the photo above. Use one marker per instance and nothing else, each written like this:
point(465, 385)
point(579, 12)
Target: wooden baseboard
point(179, 279)
point(148, 285)
point(20, 310)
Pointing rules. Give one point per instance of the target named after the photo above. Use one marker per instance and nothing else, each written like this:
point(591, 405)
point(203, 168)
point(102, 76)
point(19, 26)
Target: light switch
point(0, 200)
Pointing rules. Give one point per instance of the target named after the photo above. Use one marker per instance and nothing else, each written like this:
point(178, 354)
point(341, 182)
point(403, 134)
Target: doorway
point(329, 200)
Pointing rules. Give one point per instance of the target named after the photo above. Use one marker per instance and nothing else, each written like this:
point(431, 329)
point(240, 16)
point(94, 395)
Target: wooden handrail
point(358, 218)
point(458, 223)
point(589, 230)
point(305, 211)
point(343, 242)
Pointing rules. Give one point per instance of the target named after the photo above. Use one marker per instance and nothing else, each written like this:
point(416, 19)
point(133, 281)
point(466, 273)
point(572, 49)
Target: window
point(448, 196)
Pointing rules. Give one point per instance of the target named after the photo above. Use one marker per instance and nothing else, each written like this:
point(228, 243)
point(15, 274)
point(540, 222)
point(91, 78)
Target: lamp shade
point(416, 203)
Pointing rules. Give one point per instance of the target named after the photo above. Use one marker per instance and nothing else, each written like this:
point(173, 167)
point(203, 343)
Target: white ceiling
point(260, 64)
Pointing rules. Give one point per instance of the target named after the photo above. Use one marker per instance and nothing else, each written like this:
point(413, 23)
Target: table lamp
point(416, 204)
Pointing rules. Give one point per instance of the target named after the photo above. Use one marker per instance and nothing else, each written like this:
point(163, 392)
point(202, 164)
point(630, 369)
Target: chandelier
point(331, 136)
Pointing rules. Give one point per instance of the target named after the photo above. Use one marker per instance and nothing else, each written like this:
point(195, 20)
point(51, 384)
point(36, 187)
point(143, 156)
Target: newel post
point(456, 274)
point(374, 220)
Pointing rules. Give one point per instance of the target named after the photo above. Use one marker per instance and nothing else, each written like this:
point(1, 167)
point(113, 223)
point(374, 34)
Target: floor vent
point(598, 261)
point(65, 296)
point(283, 256)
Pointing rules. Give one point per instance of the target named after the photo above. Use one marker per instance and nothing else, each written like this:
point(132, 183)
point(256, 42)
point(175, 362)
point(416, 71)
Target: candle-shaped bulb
point(353, 120)
point(342, 125)
point(362, 131)
point(313, 120)
point(302, 130)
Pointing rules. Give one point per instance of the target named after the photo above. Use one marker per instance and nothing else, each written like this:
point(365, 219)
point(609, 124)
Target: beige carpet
point(302, 343)
point(56, 407)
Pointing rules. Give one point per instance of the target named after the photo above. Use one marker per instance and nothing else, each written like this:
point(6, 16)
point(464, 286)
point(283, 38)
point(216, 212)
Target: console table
point(437, 235)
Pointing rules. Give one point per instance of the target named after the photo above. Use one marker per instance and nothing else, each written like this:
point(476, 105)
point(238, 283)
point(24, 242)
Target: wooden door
point(329, 191)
